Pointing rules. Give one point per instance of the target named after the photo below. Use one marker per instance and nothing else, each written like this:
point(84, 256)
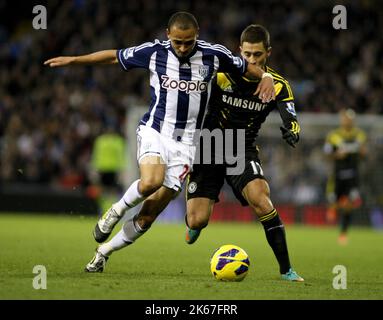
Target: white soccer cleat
point(105, 225)
point(97, 264)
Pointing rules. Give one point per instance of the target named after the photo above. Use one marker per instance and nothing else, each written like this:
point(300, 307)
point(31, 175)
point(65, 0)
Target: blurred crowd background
point(50, 118)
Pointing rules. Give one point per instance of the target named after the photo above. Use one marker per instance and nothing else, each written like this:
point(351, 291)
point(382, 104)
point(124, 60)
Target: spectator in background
point(108, 160)
point(345, 146)
point(42, 100)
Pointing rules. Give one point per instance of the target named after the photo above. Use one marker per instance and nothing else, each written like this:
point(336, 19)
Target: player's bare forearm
point(255, 71)
point(99, 57)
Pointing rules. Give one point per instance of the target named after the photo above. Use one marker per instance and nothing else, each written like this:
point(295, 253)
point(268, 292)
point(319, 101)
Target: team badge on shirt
point(204, 71)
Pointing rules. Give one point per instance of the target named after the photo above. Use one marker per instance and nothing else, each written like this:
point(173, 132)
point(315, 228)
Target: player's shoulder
point(334, 135)
point(213, 47)
point(277, 76)
point(281, 85)
point(154, 45)
point(143, 52)
point(223, 80)
point(360, 134)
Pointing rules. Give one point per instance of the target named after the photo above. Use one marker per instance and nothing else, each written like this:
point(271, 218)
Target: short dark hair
point(183, 20)
point(255, 33)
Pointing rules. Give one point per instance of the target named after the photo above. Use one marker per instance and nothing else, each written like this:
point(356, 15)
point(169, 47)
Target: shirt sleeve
point(286, 106)
point(229, 62)
point(136, 57)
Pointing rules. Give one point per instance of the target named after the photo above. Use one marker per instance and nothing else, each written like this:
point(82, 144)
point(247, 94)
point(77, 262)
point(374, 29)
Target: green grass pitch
point(162, 266)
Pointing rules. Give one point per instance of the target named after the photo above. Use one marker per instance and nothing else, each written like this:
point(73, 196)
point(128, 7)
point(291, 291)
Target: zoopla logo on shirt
point(183, 85)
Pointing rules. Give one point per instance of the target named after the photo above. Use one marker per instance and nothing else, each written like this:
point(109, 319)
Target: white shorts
point(177, 156)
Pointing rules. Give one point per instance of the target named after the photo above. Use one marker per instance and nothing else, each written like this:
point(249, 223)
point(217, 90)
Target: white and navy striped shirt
point(179, 88)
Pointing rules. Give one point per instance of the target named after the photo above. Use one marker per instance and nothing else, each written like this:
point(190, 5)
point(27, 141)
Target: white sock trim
point(130, 199)
point(132, 230)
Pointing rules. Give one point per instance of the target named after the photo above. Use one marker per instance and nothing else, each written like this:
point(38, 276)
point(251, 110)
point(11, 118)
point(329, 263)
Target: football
point(229, 263)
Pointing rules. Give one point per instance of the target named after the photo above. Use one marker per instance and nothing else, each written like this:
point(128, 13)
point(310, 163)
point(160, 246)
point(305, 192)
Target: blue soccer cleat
point(291, 275)
point(191, 235)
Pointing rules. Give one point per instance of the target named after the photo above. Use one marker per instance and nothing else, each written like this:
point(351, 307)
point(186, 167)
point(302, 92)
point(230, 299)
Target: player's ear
point(241, 52)
point(269, 52)
point(167, 33)
point(197, 33)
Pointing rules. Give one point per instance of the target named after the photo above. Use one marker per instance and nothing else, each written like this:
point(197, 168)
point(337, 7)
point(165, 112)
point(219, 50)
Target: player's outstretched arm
point(99, 57)
point(265, 89)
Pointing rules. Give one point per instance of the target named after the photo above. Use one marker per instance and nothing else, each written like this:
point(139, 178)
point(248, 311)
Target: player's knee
point(197, 221)
point(150, 185)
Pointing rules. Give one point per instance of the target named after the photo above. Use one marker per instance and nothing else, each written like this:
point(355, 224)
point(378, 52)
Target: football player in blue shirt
point(181, 72)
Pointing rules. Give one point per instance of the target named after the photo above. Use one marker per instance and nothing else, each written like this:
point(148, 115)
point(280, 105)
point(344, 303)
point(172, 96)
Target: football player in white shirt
point(181, 70)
